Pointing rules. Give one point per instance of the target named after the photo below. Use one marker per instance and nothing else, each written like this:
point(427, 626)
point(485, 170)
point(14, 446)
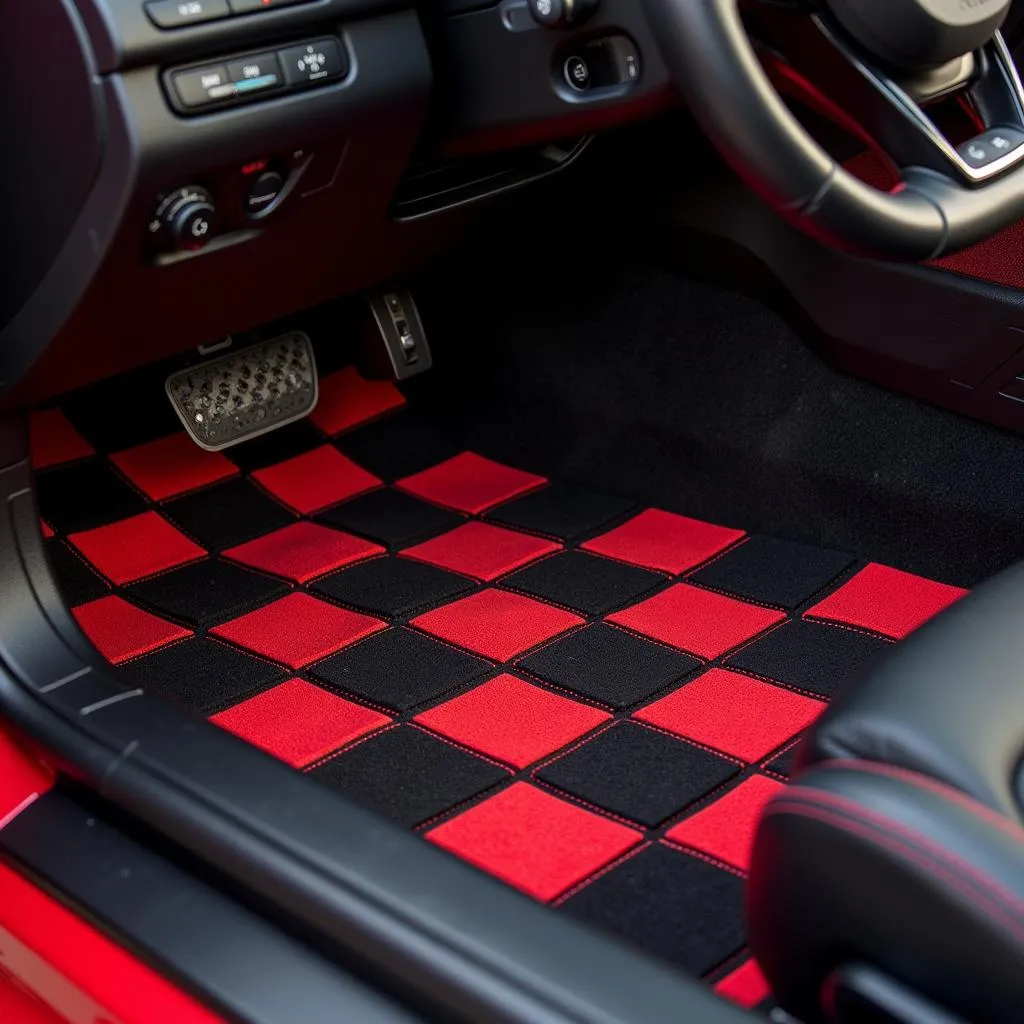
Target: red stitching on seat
point(908, 775)
point(790, 802)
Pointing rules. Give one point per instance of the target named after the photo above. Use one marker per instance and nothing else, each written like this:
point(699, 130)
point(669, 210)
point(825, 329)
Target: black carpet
point(682, 394)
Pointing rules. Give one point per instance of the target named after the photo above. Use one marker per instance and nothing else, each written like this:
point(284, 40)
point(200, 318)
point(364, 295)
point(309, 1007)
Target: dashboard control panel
point(230, 203)
point(242, 78)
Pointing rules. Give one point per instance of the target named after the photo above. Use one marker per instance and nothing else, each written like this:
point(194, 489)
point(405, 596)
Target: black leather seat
point(891, 872)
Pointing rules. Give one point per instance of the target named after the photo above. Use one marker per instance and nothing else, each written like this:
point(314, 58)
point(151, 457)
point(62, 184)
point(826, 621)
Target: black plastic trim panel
point(224, 954)
point(463, 945)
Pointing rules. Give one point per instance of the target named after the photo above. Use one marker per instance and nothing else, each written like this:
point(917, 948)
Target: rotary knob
point(187, 217)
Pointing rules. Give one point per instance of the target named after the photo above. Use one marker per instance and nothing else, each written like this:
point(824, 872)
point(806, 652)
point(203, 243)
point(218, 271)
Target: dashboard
point(186, 169)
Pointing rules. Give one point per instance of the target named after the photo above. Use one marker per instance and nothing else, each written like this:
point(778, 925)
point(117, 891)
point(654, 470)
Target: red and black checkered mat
point(589, 700)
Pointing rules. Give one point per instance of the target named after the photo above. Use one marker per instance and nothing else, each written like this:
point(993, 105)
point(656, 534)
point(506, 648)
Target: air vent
point(431, 185)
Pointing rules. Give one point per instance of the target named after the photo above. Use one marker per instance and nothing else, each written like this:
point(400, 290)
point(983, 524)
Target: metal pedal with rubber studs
point(247, 393)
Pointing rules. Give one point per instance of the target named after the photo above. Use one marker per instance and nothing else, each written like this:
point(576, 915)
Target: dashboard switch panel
point(241, 78)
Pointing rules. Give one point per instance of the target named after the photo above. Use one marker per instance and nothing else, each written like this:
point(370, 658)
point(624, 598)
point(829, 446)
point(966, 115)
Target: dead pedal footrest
point(247, 393)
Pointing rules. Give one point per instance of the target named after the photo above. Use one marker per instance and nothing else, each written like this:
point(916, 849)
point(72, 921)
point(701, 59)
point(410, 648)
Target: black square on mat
point(204, 675)
point(228, 514)
point(672, 905)
point(562, 510)
point(809, 656)
point(125, 411)
point(393, 587)
point(407, 775)
point(396, 446)
point(609, 665)
point(584, 582)
point(85, 495)
point(390, 517)
point(207, 593)
point(772, 571)
point(277, 446)
point(75, 579)
point(399, 669)
point(638, 773)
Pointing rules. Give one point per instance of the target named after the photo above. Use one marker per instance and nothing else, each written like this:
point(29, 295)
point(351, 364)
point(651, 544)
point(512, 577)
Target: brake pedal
point(247, 393)
point(405, 338)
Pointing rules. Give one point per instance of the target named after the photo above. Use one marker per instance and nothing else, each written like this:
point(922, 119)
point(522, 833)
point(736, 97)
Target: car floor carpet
point(587, 698)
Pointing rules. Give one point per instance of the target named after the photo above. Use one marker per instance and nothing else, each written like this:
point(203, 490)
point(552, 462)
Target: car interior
point(514, 511)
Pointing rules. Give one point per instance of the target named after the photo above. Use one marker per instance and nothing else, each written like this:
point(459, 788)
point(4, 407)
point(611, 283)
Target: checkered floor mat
point(589, 700)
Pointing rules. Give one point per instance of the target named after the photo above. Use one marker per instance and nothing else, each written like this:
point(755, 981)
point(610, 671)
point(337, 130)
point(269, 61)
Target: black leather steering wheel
point(896, 56)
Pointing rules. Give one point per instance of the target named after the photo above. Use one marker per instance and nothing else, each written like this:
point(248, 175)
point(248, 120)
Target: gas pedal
point(247, 393)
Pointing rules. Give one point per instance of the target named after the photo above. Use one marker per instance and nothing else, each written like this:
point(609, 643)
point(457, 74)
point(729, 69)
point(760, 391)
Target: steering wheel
point(887, 61)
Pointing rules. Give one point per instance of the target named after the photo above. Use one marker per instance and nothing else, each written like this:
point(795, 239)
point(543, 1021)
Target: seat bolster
point(861, 862)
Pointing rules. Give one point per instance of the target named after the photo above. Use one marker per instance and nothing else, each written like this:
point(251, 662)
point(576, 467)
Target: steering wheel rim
point(716, 68)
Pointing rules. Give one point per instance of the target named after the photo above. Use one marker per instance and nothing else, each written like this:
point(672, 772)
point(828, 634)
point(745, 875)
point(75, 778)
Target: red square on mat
point(470, 483)
point(725, 829)
point(746, 986)
point(496, 624)
point(53, 440)
point(316, 479)
point(302, 551)
point(887, 600)
point(132, 548)
point(732, 713)
point(512, 720)
point(299, 722)
point(119, 630)
point(347, 400)
point(695, 620)
point(173, 465)
point(662, 540)
point(534, 841)
point(298, 629)
point(482, 550)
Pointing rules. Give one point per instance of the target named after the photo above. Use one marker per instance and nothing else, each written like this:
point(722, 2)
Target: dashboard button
point(552, 13)
point(200, 86)
point(251, 6)
point(313, 62)
point(991, 145)
point(263, 193)
point(577, 73)
point(178, 13)
point(253, 74)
